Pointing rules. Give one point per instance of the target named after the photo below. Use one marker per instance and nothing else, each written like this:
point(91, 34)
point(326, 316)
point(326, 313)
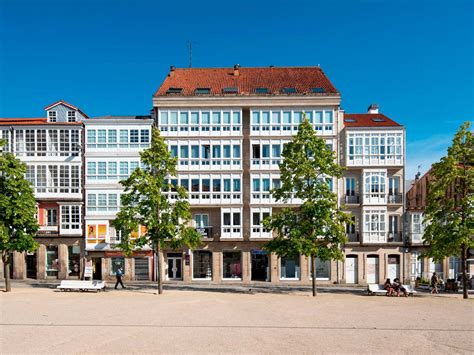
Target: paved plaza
point(42, 320)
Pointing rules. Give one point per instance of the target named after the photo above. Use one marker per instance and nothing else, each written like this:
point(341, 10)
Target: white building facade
point(112, 152)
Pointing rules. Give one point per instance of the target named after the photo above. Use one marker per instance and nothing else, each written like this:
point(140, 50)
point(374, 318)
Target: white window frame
point(231, 230)
point(257, 230)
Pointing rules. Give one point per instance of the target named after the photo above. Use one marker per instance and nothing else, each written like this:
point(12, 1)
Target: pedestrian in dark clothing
point(118, 275)
point(434, 283)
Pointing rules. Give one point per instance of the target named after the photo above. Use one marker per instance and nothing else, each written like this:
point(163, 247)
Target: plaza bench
point(376, 289)
point(69, 285)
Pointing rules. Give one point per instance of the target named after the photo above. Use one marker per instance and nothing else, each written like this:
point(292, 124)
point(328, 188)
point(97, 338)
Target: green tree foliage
point(316, 228)
point(450, 208)
point(18, 224)
point(145, 203)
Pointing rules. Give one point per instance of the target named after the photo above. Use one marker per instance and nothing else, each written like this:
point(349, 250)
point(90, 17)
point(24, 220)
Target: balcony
point(395, 199)
point(382, 237)
point(353, 237)
point(206, 232)
point(415, 238)
point(47, 231)
point(395, 237)
point(350, 200)
point(231, 232)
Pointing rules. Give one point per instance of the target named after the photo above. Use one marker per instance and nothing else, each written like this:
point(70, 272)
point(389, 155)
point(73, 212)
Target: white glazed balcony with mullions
point(369, 148)
point(231, 223)
point(416, 227)
point(265, 154)
point(200, 122)
point(256, 228)
point(209, 189)
point(285, 121)
point(207, 154)
point(374, 228)
point(261, 184)
point(123, 138)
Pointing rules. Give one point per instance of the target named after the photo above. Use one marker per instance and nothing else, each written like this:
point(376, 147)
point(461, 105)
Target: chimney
point(236, 69)
point(374, 108)
point(172, 69)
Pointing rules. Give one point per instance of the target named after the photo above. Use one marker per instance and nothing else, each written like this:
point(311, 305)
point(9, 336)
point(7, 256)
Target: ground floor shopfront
point(104, 264)
point(56, 258)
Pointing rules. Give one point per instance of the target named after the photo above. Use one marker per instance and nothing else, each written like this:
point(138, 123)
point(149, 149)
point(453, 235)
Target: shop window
point(290, 267)
point(202, 264)
point(232, 264)
point(323, 269)
point(52, 261)
point(74, 257)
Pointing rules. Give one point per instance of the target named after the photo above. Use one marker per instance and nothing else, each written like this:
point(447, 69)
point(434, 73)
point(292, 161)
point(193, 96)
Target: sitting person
point(388, 286)
point(397, 287)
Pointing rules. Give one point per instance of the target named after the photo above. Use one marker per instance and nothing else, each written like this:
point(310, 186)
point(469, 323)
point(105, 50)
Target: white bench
point(375, 289)
point(69, 285)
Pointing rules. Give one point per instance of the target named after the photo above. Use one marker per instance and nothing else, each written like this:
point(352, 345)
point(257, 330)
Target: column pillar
point(274, 274)
point(187, 269)
point(305, 269)
point(41, 260)
point(246, 267)
point(362, 262)
point(63, 261)
point(18, 265)
point(216, 266)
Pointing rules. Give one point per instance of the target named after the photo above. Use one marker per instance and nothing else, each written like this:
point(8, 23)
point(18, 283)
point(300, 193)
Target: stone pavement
point(136, 320)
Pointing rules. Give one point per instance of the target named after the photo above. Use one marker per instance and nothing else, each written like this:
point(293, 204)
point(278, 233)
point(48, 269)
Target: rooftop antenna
point(190, 49)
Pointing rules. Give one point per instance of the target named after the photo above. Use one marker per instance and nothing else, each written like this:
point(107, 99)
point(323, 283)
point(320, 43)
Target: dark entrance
point(97, 268)
point(141, 269)
point(31, 266)
point(259, 265)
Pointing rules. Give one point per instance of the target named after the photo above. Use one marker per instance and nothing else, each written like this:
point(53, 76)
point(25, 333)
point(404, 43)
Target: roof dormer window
point(52, 116)
point(289, 90)
point(71, 116)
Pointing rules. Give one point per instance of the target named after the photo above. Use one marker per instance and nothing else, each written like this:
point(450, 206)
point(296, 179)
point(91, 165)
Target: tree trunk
point(158, 276)
point(313, 274)
point(464, 271)
point(6, 273)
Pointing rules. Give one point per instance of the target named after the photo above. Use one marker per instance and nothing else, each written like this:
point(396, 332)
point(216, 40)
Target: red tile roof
point(31, 121)
point(303, 79)
point(367, 120)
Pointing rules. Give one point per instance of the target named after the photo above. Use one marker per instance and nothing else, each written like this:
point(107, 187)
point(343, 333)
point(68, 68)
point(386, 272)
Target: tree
point(146, 203)
point(450, 205)
point(316, 228)
point(18, 224)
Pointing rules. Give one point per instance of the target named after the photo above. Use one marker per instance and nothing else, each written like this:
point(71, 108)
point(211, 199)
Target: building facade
point(423, 267)
point(112, 152)
point(228, 126)
point(51, 147)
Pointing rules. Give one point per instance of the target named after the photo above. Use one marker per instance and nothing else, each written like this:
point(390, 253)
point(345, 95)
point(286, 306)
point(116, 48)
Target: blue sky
point(414, 58)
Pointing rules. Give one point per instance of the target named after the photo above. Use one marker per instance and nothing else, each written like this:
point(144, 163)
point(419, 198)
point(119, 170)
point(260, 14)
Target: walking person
point(118, 275)
point(434, 283)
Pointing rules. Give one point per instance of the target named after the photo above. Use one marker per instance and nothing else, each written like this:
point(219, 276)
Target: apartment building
point(423, 267)
point(51, 147)
point(374, 157)
point(228, 126)
point(112, 152)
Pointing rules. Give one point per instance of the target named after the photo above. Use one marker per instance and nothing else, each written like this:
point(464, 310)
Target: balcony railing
point(353, 237)
point(350, 199)
point(46, 230)
point(382, 237)
point(206, 232)
point(395, 237)
point(394, 199)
